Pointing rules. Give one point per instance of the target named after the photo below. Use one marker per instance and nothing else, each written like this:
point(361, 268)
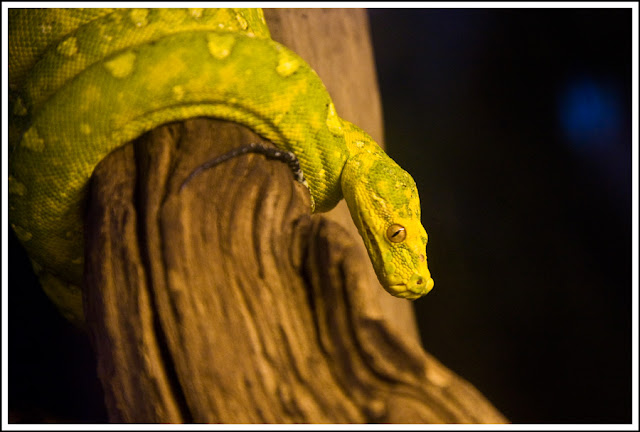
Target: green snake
point(84, 82)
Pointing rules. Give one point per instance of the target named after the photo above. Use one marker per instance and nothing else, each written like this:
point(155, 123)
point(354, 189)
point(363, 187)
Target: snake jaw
point(416, 287)
point(400, 291)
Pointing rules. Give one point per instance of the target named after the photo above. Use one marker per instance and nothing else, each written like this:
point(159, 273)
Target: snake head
point(385, 207)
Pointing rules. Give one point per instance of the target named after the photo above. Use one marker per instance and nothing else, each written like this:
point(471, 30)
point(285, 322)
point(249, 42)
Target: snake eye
point(396, 233)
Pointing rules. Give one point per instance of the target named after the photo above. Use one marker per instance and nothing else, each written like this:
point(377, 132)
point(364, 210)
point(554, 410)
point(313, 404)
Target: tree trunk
point(227, 302)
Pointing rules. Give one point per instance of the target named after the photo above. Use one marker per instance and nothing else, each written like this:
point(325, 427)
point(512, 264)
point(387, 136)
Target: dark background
point(516, 125)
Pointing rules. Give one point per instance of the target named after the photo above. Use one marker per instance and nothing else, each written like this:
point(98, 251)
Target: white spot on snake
point(68, 47)
point(32, 140)
point(77, 260)
point(105, 35)
point(122, 65)
point(178, 92)
point(139, 17)
point(359, 144)
point(85, 128)
point(196, 12)
point(68, 235)
point(19, 109)
point(334, 123)
point(220, 45)
point(287, 63)
point(243, 22)
point(22, 233)
point(46, 28)
point(15, 187)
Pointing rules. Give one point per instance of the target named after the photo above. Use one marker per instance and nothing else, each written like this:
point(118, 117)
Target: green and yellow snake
point(84, 82)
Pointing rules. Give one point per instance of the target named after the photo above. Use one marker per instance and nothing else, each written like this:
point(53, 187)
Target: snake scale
point(84, 82)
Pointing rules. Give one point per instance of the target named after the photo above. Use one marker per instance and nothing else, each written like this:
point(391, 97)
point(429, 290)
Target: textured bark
point(227, 302)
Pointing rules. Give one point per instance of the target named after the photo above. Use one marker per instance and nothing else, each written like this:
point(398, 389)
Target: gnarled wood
point(227, 302)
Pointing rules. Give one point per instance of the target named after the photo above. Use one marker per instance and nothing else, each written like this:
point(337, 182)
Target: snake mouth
point(415, 288)
point(402, 292)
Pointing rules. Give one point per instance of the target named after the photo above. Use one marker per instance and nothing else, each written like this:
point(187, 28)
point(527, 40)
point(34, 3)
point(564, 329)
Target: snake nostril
point(420, 281)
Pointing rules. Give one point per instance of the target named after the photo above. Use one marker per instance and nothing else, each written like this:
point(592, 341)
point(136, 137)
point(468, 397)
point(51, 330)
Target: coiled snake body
point(86, 81)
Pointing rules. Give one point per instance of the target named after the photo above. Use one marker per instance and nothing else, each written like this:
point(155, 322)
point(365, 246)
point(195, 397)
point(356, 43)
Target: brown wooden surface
point(228, 302)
